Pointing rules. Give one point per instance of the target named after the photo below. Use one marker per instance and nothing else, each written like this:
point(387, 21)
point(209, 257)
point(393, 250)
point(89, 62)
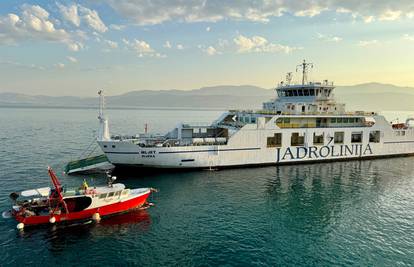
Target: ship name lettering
point(315, 152)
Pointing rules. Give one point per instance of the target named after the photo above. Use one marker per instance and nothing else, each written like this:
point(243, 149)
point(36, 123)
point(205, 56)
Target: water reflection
point(321, 194)
point(57, 238)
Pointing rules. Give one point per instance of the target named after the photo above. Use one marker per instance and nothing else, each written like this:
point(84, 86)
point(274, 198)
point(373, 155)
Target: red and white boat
point(60, 204)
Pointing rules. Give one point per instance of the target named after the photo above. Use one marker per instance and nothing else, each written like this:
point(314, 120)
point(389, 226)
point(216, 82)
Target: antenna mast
point(101, 105)
point(289, 78)
point(305, 67)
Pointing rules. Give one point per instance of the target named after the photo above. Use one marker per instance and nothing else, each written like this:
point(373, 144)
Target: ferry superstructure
point(302, 124)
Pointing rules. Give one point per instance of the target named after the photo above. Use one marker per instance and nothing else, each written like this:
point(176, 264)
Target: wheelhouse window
point(102, 195)
point(338, 137)
point(356, 137)
point(318, 139)
point(312, 92)
point(297, 140)
point(374, 136)
point(275, 140)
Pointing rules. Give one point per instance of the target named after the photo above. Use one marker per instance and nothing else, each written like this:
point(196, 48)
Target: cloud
point(77, 14)
point(260, 44)
point(21, 65)
point(366, 43)
point(408, 37)
point(144, 12)
point(328, 38)
point(390, 15)
point(32, 24)
point(72, 59)
point(70, 13)
point(211, 51)
point(208, 29)
point(92, 19)
point(117, 27)
point(60, 65)
point(167, 44)
point(111, 44)
point(74, 46)
point(142, 48)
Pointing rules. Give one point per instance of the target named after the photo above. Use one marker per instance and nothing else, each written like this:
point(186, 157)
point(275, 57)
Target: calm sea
point(346, 213)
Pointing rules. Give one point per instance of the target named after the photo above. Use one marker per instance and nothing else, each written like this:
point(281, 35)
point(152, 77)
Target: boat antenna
point(101, 104)
point(104, 129)
point(289, 77)
point(305, 68)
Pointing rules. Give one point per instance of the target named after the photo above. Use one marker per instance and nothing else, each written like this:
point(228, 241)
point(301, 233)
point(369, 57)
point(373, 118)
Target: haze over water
point(345, 213)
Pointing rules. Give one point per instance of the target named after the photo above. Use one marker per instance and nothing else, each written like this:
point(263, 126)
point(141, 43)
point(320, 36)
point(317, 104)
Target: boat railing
point(350, 113)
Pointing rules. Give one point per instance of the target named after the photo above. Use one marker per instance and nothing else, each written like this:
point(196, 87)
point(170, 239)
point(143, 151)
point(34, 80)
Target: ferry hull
point(196, 157)
point(111, 209)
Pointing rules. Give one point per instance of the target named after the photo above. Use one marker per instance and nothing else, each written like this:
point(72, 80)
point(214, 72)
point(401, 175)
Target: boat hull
point(103, 211)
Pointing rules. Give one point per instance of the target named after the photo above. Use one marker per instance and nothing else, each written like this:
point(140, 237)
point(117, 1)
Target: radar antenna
point(305, 67)
point(289, 77)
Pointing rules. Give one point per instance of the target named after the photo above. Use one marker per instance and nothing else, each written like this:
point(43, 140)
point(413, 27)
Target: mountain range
point(369, 97)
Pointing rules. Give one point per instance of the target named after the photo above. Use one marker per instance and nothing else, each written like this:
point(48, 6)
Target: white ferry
point(302, 124)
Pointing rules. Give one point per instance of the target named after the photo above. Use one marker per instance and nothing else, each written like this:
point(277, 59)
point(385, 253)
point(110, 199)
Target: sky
point(77, 47)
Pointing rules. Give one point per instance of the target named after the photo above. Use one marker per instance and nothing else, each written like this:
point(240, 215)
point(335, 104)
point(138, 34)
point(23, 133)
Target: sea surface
point(355, 213)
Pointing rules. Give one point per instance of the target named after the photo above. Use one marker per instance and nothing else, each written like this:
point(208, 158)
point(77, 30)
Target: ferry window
point(300, 92)
point(351, 120)
point(356, 137)
point(117, 193)
point(374, 137)
point(317, 139)
point(402, 133)
point(113, 146)
point(102, 196)
point(339, 137)
point(295, 93)
point(290, 93)
point(306, 92)
point(333, 120)
point(286, 120)
point(345, 120)
point(254, 120)
point(297, 140)
point(339, 120)
point(312, 92)
point(111, 194)
point(275, 141)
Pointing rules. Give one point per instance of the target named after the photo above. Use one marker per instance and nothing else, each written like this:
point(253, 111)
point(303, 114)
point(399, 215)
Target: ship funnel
point(103, 134)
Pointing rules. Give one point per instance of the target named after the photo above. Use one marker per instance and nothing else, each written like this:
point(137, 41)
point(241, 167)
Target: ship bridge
point(304, 98)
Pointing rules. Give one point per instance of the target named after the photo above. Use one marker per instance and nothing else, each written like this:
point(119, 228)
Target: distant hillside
point(370, 96)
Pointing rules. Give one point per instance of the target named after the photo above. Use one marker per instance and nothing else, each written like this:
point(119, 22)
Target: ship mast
point(305, 67)
point(103, 129)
